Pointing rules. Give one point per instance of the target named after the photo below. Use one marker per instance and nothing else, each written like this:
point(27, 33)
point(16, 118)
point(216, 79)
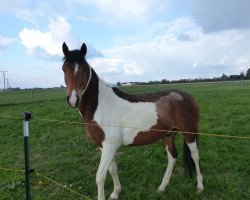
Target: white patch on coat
point(176, 96)
point(113, 110)
point(166, 178)
point(76, 67)
point(195, 156)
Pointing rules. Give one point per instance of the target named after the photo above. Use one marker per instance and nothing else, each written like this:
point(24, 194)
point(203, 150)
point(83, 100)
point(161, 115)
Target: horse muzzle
point(73, 100)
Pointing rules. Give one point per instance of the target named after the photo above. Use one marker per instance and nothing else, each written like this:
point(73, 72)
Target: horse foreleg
point(195, 156)
point(108, 153)
point(117, 184)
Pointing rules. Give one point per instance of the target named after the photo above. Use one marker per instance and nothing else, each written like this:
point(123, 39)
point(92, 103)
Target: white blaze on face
point(76, 68)
point(73, 96)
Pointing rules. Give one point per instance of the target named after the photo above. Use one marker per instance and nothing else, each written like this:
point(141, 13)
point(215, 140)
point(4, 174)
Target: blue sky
point(128, 40)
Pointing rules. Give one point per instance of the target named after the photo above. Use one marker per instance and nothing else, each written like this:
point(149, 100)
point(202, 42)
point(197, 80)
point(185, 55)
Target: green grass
point(62, 151)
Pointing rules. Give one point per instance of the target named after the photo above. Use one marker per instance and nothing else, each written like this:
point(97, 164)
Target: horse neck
point(90, 98)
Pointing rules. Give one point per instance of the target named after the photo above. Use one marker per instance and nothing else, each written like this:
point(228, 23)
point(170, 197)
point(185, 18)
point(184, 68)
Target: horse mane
point(75, 56)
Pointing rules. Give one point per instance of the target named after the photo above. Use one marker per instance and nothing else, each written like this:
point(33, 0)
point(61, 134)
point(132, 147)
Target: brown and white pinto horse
point(101, 105)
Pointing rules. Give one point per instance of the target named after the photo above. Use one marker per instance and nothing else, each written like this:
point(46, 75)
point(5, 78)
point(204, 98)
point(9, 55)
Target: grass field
point(62, 152)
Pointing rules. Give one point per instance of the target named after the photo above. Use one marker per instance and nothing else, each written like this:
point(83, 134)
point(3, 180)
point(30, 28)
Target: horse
point(108, 113)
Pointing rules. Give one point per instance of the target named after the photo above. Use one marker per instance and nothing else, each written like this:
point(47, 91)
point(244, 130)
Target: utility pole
point(8, 84)
point(4, 78)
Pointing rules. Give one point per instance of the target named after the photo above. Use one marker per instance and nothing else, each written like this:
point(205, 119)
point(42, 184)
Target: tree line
point(224, 77)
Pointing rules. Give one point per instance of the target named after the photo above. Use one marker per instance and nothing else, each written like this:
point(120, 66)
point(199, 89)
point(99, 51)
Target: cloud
point(37, 74)
point(5, 41)
point(106, 66)
point(23, 9)
point(92, 52)
point(7, 5)
point(48, 45)
point(214, 15)
point(180, 50)
point(125, 10)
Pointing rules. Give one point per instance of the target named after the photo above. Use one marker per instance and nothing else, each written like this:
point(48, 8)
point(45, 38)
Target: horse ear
point(83, 49)
point(65, 49)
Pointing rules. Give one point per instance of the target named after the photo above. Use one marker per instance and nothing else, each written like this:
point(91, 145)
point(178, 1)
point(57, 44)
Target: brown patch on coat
point(176, 111)
point(181, 113)
point(150, 97)
point(169, 142)
point(68, 77)
point(88, 106)
point(95, 133)
point(151, 136)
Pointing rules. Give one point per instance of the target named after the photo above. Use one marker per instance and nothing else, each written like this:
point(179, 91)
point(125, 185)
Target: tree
point(224, 77)
point(118, 84)
point(242, 76)
point(248, 74)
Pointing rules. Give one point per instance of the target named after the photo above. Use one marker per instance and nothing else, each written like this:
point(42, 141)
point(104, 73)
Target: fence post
point(26, 117)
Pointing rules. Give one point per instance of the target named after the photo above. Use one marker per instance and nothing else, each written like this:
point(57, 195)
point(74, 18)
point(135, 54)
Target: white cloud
point(5, 41)
point(38, 75)
point(59, 28)
point(114, 67)
point(106, 66)
point(125, 10)
point(131, 68)
point(211, 43)
point(48, 45)
point(166, 55)
point(10, 5)
point(214, 15)
point(32, 12)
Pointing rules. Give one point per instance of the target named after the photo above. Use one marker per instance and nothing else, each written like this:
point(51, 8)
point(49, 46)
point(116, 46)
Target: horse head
point(77, 73)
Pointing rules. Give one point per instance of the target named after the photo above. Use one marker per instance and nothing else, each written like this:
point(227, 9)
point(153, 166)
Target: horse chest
point(95, 133)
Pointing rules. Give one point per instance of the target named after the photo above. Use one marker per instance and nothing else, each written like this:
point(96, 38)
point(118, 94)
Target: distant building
point(126, 84)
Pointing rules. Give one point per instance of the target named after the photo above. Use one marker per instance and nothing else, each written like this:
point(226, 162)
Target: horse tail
point(189, 165)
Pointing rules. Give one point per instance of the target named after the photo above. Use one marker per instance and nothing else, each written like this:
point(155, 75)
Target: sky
point(127, 40)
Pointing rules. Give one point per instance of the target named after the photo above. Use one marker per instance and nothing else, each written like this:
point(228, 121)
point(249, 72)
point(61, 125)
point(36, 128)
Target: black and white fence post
point(26, 117)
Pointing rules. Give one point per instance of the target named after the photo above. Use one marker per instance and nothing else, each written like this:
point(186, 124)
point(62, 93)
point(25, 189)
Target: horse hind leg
point(195, 156)
point(172, 155)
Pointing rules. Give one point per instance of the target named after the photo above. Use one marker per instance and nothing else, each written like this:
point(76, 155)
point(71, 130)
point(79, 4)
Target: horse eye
point(63, 68)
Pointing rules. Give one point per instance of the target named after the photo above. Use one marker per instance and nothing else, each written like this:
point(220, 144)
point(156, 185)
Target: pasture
point(63, 152)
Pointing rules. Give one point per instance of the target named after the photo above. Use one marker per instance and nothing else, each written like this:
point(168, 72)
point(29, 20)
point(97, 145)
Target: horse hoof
point(200, 190)
point(160, 189)
point(110, 198)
